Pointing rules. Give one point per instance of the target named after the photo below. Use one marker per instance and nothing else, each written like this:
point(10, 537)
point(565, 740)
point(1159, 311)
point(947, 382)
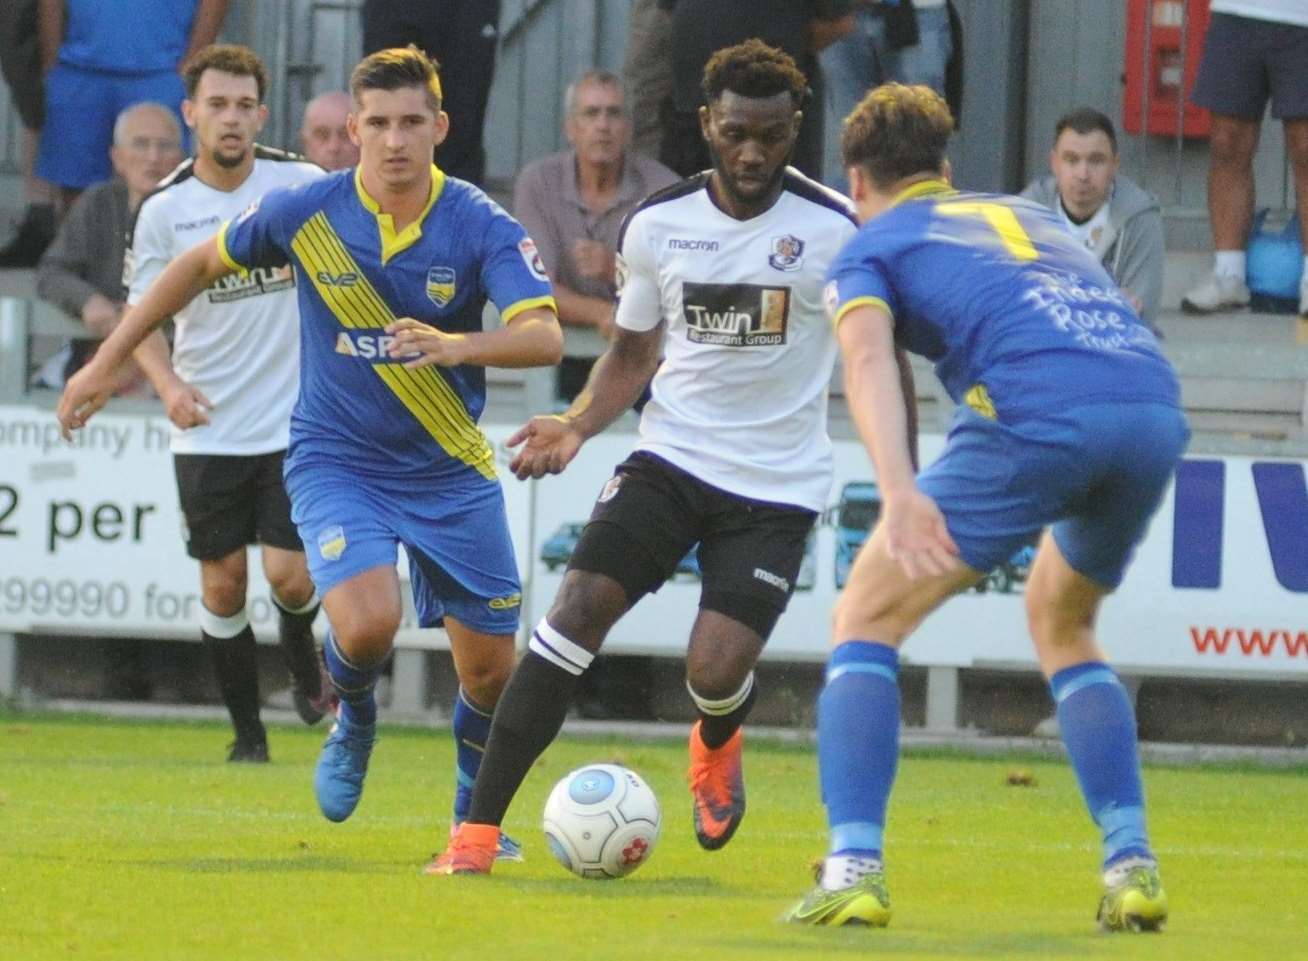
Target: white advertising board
point(90, 543)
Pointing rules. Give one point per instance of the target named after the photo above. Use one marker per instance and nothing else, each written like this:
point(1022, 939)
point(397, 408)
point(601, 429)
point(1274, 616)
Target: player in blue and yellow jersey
point(394, 262)
point(1069, 419)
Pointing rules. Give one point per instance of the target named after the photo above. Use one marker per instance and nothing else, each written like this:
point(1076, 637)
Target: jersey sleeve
point(640, 303)
point(512, 275)
point(857, 279)
point(260, 236)
point(149, 249)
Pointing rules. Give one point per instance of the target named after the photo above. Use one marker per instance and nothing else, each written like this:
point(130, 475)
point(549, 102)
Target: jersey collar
point(393, 243)
point(923, 188)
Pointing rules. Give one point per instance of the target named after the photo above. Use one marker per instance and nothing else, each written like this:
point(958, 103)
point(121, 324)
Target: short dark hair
point(1085, 120)
point(227, 58)
point(897, 131)
point(753, 69)
point(395, 69)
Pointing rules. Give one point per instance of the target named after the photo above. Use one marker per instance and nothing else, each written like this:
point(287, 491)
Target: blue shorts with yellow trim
point(1094, 474)
point(461, 560)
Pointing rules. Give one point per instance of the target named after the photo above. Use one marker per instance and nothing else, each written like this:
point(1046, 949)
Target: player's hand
point(593, 260)
point(551, 443)
point(85, 393)
point(421, 345)
point(916, 536)
point(186, 406)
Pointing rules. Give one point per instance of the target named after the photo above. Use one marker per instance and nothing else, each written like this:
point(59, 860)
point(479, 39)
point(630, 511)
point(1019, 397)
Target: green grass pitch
point(134, 840)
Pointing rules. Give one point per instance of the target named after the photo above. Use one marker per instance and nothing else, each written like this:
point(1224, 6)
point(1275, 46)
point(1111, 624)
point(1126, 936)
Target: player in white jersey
point(229, 388)
point(722, 273)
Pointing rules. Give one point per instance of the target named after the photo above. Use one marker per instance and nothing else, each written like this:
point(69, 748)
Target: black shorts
point(651, 514)
point(229, 501)
point(1247, 62)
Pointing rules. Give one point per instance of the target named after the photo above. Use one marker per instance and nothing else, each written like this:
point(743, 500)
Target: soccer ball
point(602, 821)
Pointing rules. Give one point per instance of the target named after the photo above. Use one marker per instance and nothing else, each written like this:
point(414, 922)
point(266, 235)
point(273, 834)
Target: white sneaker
point(1217, 292)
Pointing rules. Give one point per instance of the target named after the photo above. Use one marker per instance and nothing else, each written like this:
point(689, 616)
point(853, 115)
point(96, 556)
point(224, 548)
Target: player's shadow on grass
point(293, 865)
point(912, 944)
point(624, 889)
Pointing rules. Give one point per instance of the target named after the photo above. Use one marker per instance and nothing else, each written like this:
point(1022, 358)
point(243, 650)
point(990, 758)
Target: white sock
point(1229, 263)
point(842, 871)
point(1118, 872)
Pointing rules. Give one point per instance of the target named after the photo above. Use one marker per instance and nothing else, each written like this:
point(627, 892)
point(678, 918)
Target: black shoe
point(35, 232)
point(314, 695)
point(249, 752)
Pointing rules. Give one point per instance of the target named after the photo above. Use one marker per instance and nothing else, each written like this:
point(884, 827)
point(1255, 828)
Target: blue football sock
point(354, 685)
point(471, 729)
point(1098, 727)
point(858, 743)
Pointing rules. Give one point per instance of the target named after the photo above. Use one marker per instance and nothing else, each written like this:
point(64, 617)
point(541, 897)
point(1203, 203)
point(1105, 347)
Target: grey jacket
point(1132, 250)
point(86, 256)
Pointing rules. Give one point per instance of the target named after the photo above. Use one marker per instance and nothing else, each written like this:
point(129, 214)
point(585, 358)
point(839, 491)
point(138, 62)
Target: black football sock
point(299, 650)
point(719, 720)
point(231, 644)
point(527, 718)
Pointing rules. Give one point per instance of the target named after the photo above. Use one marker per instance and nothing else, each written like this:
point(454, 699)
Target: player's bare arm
point(916, 534)
point(616, 380)
point(532, 338)
point(181, 282)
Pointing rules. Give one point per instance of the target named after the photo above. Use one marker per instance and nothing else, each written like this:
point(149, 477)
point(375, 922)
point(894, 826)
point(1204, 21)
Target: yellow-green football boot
point(1134, 902)
point(866, 903)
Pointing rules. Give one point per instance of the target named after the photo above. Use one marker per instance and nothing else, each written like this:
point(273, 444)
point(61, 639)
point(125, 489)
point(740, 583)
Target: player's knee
point(715, 681)
point(224, 596)
point(366, 635)
point(586, 606)
point(293, 589)
point(485, 680)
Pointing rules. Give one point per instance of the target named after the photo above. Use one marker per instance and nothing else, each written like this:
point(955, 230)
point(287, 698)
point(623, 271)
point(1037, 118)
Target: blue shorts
point(81, 107)
point(461, 560)
point(1095, 473)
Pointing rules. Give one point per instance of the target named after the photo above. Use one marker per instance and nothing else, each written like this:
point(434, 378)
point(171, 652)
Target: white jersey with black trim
point(239, 341)
point(740, 400)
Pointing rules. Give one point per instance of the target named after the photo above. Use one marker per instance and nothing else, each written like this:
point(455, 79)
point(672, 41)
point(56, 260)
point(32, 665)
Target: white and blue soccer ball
point(602, 821)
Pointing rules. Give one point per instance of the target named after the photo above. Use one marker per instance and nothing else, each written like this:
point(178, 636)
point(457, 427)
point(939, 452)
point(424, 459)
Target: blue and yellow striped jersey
point(1019, 318)
point(356, 275)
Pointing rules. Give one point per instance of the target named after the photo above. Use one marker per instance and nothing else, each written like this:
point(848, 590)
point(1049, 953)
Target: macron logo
point(676, 244)
point(767, 577)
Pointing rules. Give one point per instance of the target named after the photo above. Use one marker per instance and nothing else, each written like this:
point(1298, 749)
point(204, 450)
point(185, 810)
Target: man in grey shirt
point(1120, 223)
point(81, 272)
point(573, 204)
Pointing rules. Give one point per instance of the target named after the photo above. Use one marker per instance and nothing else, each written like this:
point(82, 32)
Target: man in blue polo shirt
point(1069, 419)
point(394, 262)
point(100, 58)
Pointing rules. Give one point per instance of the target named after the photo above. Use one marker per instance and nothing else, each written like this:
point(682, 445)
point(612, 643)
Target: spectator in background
point(460, 35)
point(98, 59)
point(82, 271)
point(908, 41)
point(1118, 221)
point(702, 27)
point(20, 64)
point(1255, 50)
point(647, 72)
point(573, 204)
point(326, 141)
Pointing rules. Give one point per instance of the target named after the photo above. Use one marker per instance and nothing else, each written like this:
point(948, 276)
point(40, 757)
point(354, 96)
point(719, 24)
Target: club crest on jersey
point(735, 315)
point(787, 253)
point(331, 543)
point(531, 257)
point(831, 299)
point(620, 273)
point(440, 285)
point(610, 490)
